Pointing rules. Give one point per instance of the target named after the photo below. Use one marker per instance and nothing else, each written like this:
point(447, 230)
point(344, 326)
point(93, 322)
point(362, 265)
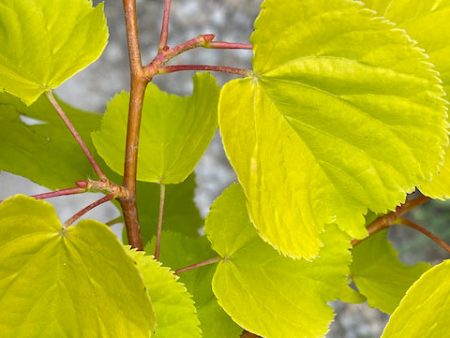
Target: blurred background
point(229, 20)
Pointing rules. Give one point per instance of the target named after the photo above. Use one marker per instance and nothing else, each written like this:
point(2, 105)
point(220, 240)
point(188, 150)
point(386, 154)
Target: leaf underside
point(380, 275)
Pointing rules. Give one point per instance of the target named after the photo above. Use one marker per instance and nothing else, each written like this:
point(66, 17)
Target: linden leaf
point(380, 275)
point(287, 298)
point(174, 308)
point(425, 309)
point(180, 251)
point(175, 131)
point(43, 43)
point(66, 282)
point(342, 115)
point(427, 23)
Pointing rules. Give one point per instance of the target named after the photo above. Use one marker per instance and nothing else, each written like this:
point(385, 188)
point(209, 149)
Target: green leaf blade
point(427, 23)
point(331, 105)
point(287, 297)
point(175, 131)
point(174, 308)
point(179, 251)
point(61, 161)
point(425, 309)
point(380, 275)
point(57, 282)
point(63, 38)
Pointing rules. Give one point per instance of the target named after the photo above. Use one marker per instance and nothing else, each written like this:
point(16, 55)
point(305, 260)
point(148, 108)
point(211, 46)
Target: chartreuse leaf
point(180, 212)
point(427, 22)
point(175, 131)
point(425, 310)
point(380, 275)
point(43, 151)
point(178, 251)
point(174, 308)
point(66, 282)
point(43, 43)
point(287, 298)
point(342, 115)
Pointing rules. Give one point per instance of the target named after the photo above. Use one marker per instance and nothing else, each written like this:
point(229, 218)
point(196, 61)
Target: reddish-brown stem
point(134, 49)
point(138, 85)
point(165, 27)
point(391, 218)
point(162, 198)
point(223, 69)
point(198, 265)
point(247, 334)
point(228, 45)
point(439, 241)
point(91, 206)
point(58, 193)
point(76, 136)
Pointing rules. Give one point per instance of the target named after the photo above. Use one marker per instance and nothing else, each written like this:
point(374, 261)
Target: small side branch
point(385, 221)
point(76, 136)
point(58, 193)
point(91, 206)
point(162, 198)
point(198, 265)
point(223, 69)
point(165, 27)
point(439, 241)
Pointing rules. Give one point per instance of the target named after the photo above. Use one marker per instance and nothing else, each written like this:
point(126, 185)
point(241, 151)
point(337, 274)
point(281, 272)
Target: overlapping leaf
point(43, 43)
point(66, 282)
point(43, 151)
point(427, 23)
point(425, 310)
point(179, 251)
point(174, 308)
point(342, 115)
point(175, 131)
point(264, 292)
point(380, 275)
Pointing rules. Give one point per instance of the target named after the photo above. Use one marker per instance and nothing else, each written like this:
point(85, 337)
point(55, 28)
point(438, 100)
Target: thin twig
point(165, 27)
point(166, 55)
point(138, 85)
point(76, 136)
point(228, 45)
point(439, 241)
point(91, 206)
point(57, 193)
point(391, 218)
point(198, 265)
point(223, 69)
point(162, 198)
